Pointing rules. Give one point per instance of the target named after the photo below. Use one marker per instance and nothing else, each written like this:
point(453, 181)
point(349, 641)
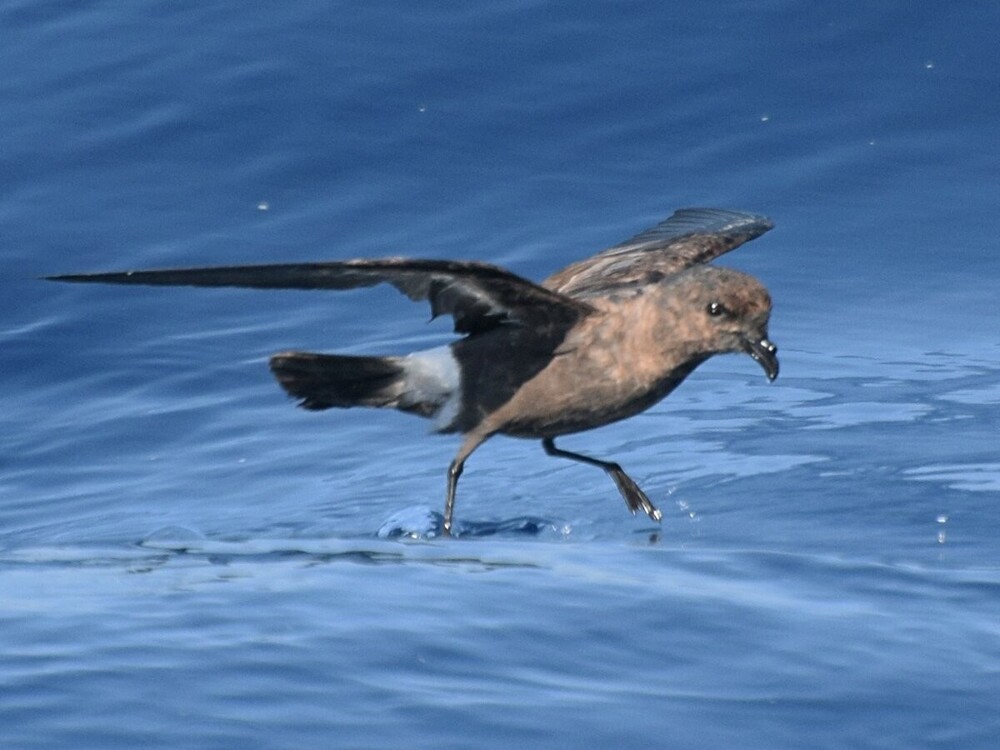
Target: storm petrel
point(599, 341)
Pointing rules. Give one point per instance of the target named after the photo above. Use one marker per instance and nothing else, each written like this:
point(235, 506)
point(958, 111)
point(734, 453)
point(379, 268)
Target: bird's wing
point(689, 237)
point(479, 296)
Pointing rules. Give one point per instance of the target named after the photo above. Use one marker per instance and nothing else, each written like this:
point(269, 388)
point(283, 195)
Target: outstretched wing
point(689, 237)
point(479, 296)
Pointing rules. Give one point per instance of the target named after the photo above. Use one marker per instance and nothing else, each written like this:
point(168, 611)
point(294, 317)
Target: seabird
point(597, 342)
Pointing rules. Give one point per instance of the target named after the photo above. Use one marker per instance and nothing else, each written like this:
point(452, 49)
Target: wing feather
point(690, 236)
point(479, 296)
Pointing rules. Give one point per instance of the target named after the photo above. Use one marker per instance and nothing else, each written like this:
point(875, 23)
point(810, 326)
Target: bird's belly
point(568, 420)
point(572, 397)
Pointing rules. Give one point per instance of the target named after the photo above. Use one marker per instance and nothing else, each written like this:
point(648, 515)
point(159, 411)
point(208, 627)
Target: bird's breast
point(611, 366)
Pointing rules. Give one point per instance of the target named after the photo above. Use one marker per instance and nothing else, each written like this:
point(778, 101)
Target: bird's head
point(721, 310)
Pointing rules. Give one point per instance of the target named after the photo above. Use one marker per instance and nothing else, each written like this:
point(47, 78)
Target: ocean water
point(186, 561)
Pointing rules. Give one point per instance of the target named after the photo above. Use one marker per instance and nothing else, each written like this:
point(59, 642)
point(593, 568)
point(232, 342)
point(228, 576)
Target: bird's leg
point(472, 442)
point(634, 497)
point(454, 472)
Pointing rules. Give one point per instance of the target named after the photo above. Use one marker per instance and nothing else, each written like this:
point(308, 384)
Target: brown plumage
point(599, 341)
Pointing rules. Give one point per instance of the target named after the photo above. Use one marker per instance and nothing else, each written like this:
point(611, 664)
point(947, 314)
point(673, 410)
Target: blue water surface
point(186, 561)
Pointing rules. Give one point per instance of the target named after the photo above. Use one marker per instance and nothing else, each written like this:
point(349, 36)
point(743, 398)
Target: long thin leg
point(454, 472)
point(634, 497)
point(472, 442)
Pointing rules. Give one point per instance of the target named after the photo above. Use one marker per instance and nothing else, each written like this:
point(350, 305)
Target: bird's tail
point(423, 383)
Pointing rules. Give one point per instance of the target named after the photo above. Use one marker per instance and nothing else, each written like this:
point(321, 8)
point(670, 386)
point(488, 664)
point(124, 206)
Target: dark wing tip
point(694, 222)
point(330, 275)
point(105, 278)
point(722, 221)
point(718, 219)
point(725, 220)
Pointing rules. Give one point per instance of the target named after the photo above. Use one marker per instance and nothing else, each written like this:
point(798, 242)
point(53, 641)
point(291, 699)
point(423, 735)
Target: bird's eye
point(715, 309)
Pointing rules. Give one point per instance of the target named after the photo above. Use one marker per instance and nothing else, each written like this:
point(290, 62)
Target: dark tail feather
point(323, 381)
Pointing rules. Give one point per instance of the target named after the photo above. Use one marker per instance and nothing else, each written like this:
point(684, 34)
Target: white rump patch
point(433, 376)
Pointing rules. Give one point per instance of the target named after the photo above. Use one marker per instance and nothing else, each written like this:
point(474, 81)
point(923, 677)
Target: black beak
point(765, 353)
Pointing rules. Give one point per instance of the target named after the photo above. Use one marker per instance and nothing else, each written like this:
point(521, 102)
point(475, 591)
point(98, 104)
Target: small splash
point(417, 522)
point(684, 507)
point(942, 536)
point(420, 522)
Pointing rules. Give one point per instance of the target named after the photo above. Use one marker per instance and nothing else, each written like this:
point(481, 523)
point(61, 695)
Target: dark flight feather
point(691, 236)
point(479, 296)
